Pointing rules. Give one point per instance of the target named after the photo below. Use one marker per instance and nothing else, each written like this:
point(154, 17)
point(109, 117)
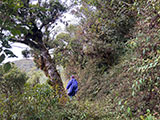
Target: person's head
point(72, 76)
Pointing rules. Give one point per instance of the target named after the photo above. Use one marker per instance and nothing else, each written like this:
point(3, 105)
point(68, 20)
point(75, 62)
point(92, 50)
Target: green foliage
point(21, 19)
point(21, 100)
point(12, 79)
point(147, 116)
point(38, 102)
point(143, 66)
point(4, 49)
point(146, 70)
point(114, 52)
point(5, 22)
point(33, 103)
point(26, 53)
point(7, 66)
point(36, 77)
point(66, 45)
point(91, 48)
point(150, 117)
point(123, 31)
point(2, 57)
point(101, 36)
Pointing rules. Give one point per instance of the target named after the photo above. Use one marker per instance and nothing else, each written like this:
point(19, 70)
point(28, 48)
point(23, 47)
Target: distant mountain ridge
point(25, 64)
point(28, 65)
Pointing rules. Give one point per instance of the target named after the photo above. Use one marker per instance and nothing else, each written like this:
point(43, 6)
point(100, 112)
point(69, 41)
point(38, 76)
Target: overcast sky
point(18, 47)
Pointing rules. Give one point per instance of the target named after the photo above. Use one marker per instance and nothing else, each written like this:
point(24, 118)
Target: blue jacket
point(72, 87)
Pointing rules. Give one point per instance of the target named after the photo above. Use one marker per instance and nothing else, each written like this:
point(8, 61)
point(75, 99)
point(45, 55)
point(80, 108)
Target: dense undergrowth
point(115, 63)
point(20, 100)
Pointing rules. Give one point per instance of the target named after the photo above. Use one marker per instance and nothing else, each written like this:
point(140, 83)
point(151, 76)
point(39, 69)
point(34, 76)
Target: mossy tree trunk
point(47, 64)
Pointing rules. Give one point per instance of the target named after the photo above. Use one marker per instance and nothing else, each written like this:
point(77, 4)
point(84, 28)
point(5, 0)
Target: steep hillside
point(132, 87)
point(129, 88)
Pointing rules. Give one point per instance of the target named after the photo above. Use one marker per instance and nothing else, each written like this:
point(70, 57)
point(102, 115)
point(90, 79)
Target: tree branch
point(26, 42)
point(47, 21)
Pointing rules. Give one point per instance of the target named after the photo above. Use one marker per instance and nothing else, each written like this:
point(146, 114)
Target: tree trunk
point(47, 64)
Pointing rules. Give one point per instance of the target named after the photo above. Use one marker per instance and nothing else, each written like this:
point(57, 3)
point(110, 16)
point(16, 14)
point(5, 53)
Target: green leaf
point(6, 44)
point(111, 3)
point(7, 66)
point(128, 109)
point(2, 57)
point(1, 49)
point(8, 52)
point(15, 32)
point(86, 9)
point(140, 81)
point(148, 111)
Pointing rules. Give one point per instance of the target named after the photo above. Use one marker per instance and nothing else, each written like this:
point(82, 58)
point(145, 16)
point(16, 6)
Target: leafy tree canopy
point(26, 23)
point(11, 80)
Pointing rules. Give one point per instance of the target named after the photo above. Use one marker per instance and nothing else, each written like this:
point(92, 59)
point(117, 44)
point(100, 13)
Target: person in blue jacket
point(72, 86)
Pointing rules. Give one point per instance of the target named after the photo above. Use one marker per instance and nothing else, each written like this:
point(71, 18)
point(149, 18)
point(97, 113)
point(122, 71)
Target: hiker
point(72, 86)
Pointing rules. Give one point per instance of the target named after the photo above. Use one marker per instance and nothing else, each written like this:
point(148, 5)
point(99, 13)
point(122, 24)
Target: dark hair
point(72, 76)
